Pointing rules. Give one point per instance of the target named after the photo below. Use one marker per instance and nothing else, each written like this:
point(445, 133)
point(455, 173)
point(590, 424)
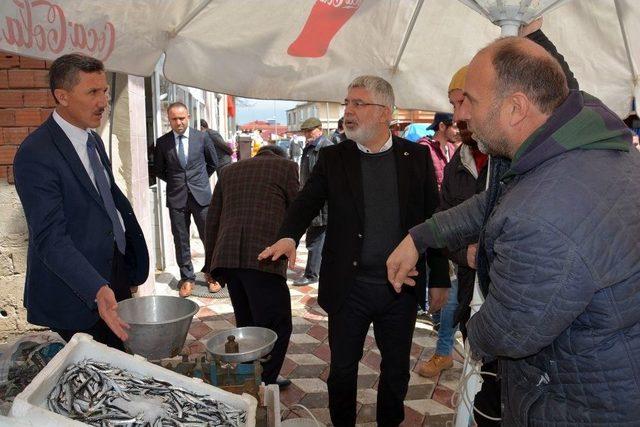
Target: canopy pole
point(509, 27)
point(634, 76)
point(407, 33)
point(195, 12)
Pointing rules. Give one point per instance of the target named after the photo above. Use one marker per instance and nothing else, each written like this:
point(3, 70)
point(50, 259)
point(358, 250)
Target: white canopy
point(311, 49)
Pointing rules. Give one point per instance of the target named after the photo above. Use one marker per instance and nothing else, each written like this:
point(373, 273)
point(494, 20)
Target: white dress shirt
point(78, 138)
point(387, 146)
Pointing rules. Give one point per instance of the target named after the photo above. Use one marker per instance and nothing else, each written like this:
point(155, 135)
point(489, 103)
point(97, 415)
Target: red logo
point(324, 21)
point(42, 25)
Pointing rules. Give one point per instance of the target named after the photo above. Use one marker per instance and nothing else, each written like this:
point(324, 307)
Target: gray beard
point(482, 146)
point(360, 135)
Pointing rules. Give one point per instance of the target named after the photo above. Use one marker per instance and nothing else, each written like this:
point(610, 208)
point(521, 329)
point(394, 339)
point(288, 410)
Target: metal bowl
point(159, 324)
point(253, 343)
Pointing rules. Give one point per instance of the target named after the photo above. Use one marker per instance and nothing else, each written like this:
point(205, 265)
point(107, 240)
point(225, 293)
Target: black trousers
point(262, 299)
point(119, 283)
point(314, 241)
point(393, 316)
point(488, 398)
point(180, 224)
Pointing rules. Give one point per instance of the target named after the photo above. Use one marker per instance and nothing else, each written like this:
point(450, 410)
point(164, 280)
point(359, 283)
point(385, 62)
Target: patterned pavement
point(428, 401)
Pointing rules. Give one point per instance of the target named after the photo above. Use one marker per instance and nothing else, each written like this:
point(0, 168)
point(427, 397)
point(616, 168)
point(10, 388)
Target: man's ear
point(518, 108)
point(442, 127)
point(62, 96)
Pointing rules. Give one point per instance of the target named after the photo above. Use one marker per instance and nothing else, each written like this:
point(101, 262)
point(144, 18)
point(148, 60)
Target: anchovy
point(88, 391)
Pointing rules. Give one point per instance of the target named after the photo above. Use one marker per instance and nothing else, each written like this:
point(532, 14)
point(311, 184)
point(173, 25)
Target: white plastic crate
point(31, 404)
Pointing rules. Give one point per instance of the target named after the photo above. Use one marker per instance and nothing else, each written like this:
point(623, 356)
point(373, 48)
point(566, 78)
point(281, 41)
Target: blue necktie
point(105, 193)
point(181, 155)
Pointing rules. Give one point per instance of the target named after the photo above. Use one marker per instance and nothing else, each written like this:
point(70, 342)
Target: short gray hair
point(380, 89)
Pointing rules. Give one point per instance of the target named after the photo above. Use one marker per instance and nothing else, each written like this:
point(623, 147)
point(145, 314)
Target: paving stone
point(307, 359)
point(303, 339)
point(300, 329)
point(450, 378)
point(367, 396)
point(443, 395)
point(325, 374)
point(199, 330)
point(205, 312)
point(291, 395)
point(420, 391)
point(287, 367)
point(365, 370)
point(223, 308)
point(315, 400)
point(310, 385)
point(367, 381)
point(412, 418)
point(218, 325)
point(308, 371)
point(428, 406)
point(372, 360)
point(415, 379)
point(323, 352)
point(318, 332)
point(444, 420)
point(322, 415)
point(426, 341)
point(300, 321)
point(367, 414)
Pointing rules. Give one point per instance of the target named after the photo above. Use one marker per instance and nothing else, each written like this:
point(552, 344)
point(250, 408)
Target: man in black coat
point(376, 186)
point(223, 150)
point(185, 158)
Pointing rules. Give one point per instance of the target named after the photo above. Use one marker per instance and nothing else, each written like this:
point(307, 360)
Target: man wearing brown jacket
point(248, 205)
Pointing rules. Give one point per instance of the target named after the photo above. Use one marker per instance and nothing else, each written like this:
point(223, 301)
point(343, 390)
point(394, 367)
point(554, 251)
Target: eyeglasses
point(359, 104)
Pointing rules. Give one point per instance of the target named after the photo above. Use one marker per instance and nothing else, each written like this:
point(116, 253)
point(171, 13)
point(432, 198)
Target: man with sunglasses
point(377, 186)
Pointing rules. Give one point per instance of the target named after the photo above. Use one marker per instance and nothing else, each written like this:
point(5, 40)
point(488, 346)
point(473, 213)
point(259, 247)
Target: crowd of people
point(529, 189)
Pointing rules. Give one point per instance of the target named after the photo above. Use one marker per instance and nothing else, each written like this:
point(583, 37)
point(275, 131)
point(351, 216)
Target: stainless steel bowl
point(253, 343)
point(159, 324)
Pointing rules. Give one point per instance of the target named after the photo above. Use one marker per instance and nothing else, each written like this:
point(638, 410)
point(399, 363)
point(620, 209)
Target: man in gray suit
point(185, 158)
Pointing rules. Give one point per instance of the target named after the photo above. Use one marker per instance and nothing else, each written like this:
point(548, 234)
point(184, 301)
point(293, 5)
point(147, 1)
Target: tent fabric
point(312, 49)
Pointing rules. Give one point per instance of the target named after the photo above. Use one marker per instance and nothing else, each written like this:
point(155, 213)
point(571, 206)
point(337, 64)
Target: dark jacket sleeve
point(540, 38)
point(436, 259)
point(308, 203)
point(459, 257)
point(42, 195)
point(159, 161)
point(219, 142)
point(210, 155)
point(213, 224)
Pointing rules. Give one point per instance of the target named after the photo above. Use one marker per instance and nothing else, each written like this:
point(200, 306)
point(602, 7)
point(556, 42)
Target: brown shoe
point(214, 286)
point(435, 365)
point(185, 288)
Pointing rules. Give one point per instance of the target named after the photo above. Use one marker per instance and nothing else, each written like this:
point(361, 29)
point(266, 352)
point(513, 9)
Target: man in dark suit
point(377, 186)
point(86, 248)
point(223, 150)
point(185, 158)
point(248, 205)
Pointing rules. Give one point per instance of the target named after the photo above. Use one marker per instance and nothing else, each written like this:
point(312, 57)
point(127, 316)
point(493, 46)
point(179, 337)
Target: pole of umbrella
point(509, 27)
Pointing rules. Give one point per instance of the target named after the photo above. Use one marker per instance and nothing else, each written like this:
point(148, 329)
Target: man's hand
point(472, 253)
point(285, 246)
point(437, 298)
point(108, 310)
point(401, 264)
